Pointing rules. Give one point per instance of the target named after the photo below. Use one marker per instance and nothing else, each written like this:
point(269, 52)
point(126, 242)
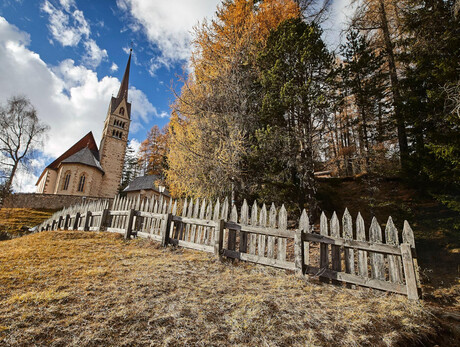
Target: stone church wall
point(44, 201)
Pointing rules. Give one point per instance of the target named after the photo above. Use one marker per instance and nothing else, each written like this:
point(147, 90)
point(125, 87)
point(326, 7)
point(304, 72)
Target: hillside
point(87, 288)
point(15, 222)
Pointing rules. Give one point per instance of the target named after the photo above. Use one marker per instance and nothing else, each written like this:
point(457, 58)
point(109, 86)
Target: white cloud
point(68, 26)
point(168, 24)
point(94, 55)
point(114, 67)
point(65, 26)
point(68, 97)
point(135, 145)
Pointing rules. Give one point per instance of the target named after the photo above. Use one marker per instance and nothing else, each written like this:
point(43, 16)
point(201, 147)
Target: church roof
point(86, 141)
point(144, 183)
point(85, 157)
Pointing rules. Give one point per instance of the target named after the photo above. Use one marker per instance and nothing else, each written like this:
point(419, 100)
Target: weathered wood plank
point(269, 231)
point(362, 255)
point(408, 237)
point(282, 225)
point(409, 271)
point(360, 245)
point(192, 245)
point(219, 239)
point(260, 260)
point(377, 259)
point(195, 221)
point(323, 248)
point(254, 222)
point(358, 280)
point(262, 238)
point(231, 233)
point(394, 262)
point(271, 239)
point(348, 235)
point(335, 250)
point(193, 229)
point(299, 250)
point(243, 235)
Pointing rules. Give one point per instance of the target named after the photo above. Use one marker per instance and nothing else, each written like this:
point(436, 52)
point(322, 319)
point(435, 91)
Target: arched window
point(81, 184)
point(66, 181)
point(122, 111)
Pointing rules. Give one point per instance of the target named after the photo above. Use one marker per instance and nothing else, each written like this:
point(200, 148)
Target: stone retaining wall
point(45, 201)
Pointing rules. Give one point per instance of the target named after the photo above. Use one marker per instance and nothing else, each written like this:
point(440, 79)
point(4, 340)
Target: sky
point(68, 58)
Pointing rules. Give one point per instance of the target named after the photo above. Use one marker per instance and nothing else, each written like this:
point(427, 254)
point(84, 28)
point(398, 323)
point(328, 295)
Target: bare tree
point(21, 132)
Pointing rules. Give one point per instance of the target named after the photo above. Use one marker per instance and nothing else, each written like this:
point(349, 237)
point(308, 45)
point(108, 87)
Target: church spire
point(123, 92)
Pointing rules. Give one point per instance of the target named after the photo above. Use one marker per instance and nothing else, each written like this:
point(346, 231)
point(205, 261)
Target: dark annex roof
point(144, 183)
point(86, 157)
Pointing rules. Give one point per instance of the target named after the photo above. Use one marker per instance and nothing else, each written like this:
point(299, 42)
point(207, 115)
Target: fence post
point(87, 218)
point(76, 221)
point(129, 227)
point(104, 219)
point(66, 221)
point(299, 250)
point(166, 230)
point(409, 271)
point(60, 222)
point(219, 240)
point(53, 224)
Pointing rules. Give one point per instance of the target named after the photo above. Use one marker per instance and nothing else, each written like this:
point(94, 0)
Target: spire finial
point(123, 92)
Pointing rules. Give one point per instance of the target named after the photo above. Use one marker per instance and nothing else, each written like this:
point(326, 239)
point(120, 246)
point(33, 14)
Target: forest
point(266, 107)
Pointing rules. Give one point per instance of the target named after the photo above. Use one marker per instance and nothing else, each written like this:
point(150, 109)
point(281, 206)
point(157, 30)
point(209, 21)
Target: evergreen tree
point(295, 66)
point(131, 168)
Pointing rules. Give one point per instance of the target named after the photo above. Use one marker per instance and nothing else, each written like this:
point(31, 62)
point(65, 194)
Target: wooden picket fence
point(339, 252)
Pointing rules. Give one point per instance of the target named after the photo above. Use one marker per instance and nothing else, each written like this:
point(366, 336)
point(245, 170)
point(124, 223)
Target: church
point(86, 170)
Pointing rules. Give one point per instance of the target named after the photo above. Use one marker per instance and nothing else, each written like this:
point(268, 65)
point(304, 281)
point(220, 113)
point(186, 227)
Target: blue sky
point(68, 58)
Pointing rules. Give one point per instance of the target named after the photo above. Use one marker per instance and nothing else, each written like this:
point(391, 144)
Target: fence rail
point(337, 252)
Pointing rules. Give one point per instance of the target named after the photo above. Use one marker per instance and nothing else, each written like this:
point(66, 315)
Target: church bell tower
point(115, 138)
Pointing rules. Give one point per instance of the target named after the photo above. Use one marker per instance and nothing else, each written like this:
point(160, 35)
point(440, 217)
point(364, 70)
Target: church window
point(66, 181)
point(81, 184)
point(122, 111)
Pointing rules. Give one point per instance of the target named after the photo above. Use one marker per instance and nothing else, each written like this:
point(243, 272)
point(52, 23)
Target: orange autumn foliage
point(208, 127)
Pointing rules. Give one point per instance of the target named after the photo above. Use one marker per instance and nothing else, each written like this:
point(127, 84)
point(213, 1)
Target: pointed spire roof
point(123, 92)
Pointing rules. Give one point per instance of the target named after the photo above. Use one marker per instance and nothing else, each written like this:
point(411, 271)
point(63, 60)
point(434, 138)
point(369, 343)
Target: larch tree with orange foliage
point(217, 109)
point(153, 152)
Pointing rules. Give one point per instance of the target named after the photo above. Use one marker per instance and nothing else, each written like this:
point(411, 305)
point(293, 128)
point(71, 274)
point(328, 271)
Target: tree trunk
point(9, 181)
point(402, 137)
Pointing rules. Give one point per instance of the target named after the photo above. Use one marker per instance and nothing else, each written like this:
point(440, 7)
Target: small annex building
point(86, 170)
point(146, 187)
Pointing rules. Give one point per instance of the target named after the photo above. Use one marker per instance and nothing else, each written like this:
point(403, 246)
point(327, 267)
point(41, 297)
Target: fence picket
point(377, 260)
point(394, 262)
point(348, 235)
point(323, 248)
point(254, 222)
point(271, 239)
point(362, 255)
point(262, 238)
point(282, 225)
point(244, 219)
point(230, 233)
point(335, 250)
point(408, 237)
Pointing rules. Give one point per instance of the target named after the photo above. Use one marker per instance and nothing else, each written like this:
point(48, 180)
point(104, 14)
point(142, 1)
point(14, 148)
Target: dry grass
point(91, 289)
point(13, 219)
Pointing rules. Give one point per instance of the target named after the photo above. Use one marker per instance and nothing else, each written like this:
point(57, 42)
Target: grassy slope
point(13, 219)
point(85, 288)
